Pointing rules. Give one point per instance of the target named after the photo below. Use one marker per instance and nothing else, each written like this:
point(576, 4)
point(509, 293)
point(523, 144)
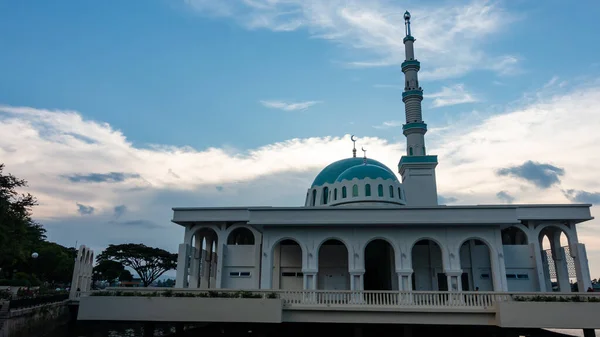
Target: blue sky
point(197, 102)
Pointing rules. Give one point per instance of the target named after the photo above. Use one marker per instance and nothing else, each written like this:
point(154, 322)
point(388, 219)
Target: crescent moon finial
point(353, 138)
point(365, 155)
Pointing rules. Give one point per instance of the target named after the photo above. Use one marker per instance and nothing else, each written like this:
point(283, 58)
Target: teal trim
point(408, 38)
point(419, 125)
point(366, 171)
point(330, 173)
point(412, 92)
point(417, 160)
point(411, 64)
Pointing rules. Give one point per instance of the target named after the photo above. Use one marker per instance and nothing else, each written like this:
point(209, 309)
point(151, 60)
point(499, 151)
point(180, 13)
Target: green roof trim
point(411, 64)
point(412, 92)
point(417, 160)
point(419, 125)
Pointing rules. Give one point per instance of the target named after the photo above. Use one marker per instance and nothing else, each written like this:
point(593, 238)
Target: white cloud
point(45, 147)
point(388, 124)
point(448, 34)
point(289, 106)
point(451, 96)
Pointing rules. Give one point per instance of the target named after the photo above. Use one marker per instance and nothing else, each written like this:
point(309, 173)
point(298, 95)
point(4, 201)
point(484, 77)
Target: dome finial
point(364, 155)
point(353, 139)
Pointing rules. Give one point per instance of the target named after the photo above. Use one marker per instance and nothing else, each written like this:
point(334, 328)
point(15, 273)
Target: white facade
point(361, 228)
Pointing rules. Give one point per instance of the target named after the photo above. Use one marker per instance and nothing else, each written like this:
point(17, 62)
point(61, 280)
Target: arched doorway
point(333, 266)
point(287, 265)
point(556, 259)
point(476, 266)
point(380, 269)
point(202, 271)
point(428, 267)
point(240, 236)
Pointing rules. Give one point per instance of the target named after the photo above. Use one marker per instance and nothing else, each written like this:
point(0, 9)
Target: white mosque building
point(363, 228)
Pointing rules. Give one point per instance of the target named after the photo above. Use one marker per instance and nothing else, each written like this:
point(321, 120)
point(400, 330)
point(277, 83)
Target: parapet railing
point(348, 298)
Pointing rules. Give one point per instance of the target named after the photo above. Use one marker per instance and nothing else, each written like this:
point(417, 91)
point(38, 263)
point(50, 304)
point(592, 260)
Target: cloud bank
point(96, 188)
point(375, 28)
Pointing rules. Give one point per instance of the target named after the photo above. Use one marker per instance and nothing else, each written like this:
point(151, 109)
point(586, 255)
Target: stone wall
point(30, 321)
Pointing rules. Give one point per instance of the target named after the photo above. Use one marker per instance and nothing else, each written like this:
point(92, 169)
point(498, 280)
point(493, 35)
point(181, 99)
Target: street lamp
point(35, 255)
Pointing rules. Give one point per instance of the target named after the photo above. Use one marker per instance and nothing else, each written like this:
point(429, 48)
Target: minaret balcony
point(409, 38)
point(411, 64)
point(417, 125)
point(412, 94)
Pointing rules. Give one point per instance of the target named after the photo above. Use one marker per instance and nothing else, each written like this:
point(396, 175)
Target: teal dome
point(330, 173)
point(366, 171)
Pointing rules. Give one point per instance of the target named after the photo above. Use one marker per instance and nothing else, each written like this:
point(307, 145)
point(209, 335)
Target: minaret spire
point(416, 167)
point(414, 129)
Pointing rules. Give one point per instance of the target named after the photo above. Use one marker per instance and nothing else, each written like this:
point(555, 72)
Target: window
point(344, 192)
point(485, 276)
point(355, 190)
point(391, 191)
point(335, 194)
point(511, 276)
point(239, 274)
point(314, 197)
point(325, 195)
point(410, 151)
point(523, 276)
point(380, 190)
point(399, 193)
point(292, 274)
point(367, 190)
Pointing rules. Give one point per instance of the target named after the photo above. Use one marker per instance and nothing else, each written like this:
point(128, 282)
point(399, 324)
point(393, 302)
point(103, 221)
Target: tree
point(55, 262)
point(150, 263)
point(19, 234)
point(108, 270)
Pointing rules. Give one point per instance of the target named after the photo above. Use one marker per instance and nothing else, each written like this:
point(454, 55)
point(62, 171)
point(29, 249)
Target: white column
point(454, 280)
point(405, 280)
point(310, 280)
point(536, 251)
point(195, 261)
point(266, 267)
point(560, 263)
point(182, 266)
point(357, 280)
point(581, 267)
point(219, 273)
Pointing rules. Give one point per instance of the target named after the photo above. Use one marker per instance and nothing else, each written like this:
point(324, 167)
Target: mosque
point(362, 227)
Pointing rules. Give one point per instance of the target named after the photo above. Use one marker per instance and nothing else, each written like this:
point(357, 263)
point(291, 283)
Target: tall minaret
point(417, 168)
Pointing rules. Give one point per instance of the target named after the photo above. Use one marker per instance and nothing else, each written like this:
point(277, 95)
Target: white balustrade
point(413, 300)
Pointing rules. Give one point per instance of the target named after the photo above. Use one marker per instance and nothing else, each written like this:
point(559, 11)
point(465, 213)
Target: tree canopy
point(150, 263)
point(19, 234)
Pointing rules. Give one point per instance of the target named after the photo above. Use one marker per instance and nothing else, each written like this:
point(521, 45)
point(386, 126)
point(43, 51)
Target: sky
point(116, 111)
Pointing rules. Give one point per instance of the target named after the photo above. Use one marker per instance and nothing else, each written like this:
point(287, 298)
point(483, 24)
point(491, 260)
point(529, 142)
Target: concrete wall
point(559, 315)
point(239, 263)
point(520, 268)
point(177, 309)
point(30, 321)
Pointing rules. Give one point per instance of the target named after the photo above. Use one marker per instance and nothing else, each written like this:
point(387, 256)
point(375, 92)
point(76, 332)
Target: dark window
point(344, 194)
point(325, 195)
point(367, 190)
point(380, 190)
point(391, 191)
point(355, 190)
point(335, 194)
